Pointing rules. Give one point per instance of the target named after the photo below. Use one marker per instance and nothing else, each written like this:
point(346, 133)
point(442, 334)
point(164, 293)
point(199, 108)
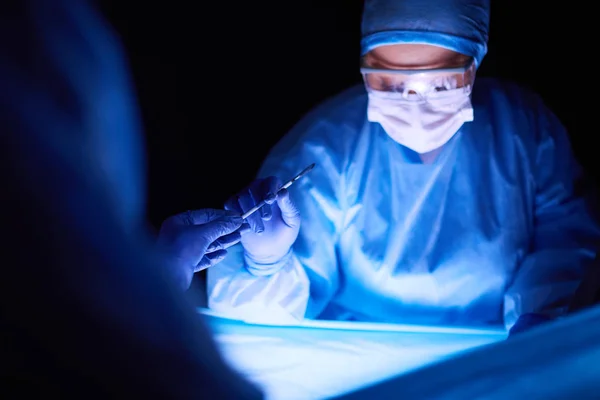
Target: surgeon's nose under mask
point(421, 125)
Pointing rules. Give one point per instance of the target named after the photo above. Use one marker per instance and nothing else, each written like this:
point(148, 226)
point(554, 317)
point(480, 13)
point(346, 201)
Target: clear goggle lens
point(417, 84)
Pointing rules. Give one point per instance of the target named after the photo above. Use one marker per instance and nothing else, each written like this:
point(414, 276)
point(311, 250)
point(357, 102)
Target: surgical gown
point(496, 226)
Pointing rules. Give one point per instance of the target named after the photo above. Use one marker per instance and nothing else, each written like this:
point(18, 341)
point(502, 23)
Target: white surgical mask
point(421, 125)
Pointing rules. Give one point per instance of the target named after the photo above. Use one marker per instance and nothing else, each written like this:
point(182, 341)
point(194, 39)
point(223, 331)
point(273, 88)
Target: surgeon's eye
point(393, 88)
point(441, 85)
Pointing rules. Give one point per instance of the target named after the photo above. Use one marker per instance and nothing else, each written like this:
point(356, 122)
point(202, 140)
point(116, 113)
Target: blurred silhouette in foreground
point(86, 310)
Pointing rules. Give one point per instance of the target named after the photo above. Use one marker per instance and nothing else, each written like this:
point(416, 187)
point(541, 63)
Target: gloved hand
point(273, 229)
point(526, 322)
point(195, 240)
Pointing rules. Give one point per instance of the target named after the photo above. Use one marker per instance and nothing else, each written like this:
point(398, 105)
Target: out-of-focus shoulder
point(347, 108)
point(331, 128)
point(497, 91)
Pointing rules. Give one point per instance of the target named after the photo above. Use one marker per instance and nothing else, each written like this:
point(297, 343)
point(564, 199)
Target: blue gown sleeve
point(306, 285)
point(566, 230)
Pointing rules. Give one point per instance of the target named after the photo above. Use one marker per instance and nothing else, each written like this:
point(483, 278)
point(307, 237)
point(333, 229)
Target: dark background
point(225, 80)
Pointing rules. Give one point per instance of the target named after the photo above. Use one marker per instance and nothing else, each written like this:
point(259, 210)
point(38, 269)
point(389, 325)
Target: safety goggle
point(418, 84)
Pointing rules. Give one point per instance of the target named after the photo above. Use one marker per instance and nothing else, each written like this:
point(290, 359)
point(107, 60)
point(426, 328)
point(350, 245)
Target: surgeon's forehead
point(413, 56)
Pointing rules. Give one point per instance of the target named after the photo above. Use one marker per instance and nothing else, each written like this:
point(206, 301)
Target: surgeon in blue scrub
point(438, 198)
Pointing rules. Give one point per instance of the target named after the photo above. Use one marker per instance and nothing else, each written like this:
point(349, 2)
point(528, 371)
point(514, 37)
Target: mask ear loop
point(469, 77)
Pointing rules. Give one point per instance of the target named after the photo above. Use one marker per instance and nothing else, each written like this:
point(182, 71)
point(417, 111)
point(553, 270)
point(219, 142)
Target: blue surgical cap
point(458, 25)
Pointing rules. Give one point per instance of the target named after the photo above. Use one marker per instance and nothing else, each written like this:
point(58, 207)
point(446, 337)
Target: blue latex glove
point(195, 240)
point(273, 229)
point(528, 321)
